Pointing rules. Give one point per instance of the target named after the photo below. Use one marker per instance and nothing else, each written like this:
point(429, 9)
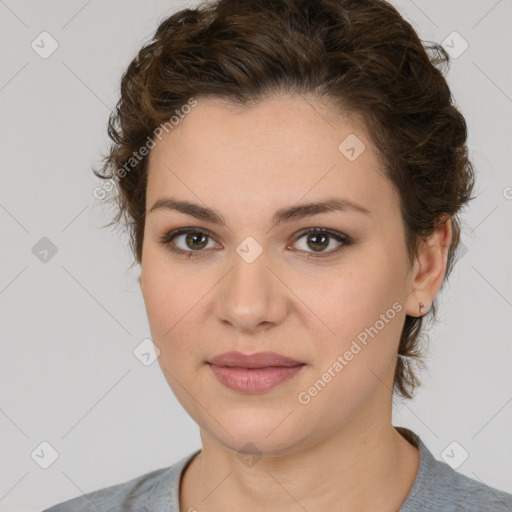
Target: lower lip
point(254, 380)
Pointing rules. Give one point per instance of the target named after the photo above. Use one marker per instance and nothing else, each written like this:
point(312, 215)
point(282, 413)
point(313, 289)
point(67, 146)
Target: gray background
point(69, 325)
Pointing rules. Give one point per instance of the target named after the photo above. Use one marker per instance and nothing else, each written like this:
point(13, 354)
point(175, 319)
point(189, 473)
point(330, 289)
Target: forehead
point(277, 151)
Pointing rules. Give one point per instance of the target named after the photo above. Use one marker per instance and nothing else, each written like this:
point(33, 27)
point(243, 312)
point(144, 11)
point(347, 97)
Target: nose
point(251, 297)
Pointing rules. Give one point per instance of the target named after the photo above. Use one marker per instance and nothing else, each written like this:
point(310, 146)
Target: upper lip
point(258, 360)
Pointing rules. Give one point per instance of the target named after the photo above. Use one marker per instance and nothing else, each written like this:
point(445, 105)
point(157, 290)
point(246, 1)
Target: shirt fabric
point(437, 488)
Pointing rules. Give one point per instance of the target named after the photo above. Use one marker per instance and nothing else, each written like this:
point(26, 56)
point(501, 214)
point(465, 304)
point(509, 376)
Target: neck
point(365, 466)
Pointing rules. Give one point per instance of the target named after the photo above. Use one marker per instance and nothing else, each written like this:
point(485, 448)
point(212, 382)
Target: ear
point(140, 282)
point(429, 269)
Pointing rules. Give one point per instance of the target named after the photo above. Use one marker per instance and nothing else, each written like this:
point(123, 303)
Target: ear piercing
point(421, 307)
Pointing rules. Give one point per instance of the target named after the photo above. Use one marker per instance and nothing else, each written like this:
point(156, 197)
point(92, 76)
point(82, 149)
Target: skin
point(246, 164)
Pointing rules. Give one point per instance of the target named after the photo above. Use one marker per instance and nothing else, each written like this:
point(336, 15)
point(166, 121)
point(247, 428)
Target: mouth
point(253, 373)
point(253, 361)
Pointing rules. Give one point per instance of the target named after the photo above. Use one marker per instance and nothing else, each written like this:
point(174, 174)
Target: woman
point(291, 174)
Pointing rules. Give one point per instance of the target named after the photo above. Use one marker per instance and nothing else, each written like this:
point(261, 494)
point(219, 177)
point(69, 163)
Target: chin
point(264, 435)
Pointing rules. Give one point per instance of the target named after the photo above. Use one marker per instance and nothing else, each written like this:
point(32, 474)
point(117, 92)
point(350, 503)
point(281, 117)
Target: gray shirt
point(437, 488)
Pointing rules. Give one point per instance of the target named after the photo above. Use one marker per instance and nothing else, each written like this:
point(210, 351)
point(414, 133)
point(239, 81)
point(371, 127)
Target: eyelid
point(326, 231)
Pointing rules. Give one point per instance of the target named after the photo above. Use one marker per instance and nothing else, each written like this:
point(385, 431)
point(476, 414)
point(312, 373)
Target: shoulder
point(455, 492)
point(439, 487)
point(131, 495)
point(144, 492)
point(472, 495)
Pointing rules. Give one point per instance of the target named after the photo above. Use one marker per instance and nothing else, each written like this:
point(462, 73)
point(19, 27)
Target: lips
point(258, 360)
point(254, 373)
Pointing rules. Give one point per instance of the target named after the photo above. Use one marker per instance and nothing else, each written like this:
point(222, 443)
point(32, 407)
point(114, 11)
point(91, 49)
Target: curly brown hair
point(359, 55)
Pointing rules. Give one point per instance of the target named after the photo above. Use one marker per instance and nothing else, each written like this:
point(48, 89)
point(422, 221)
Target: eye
point(320, 239)
point(193, 242)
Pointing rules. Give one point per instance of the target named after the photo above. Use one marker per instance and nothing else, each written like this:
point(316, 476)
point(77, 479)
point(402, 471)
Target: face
point(334, 301)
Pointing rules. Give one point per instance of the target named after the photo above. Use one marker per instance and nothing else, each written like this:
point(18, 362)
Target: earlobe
point(429, 269)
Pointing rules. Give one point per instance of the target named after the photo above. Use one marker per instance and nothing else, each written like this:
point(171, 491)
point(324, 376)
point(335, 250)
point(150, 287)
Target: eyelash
point(344, 240)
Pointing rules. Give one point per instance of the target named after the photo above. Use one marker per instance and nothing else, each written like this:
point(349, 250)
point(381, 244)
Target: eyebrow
point(281, 216)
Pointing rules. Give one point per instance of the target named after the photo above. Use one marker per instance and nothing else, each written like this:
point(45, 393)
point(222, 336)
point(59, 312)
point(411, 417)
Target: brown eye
point(196, 241)
point(319, 242)
point(319, 239)
point(191, 242)
point(187, 241)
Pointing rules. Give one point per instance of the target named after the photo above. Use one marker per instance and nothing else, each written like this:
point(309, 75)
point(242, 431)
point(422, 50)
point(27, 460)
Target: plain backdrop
point(70, 324)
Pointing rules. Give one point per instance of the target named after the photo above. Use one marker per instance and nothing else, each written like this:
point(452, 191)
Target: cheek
point(355, 294)
point(170, 296)
point(357, 361)
point(362, 306)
